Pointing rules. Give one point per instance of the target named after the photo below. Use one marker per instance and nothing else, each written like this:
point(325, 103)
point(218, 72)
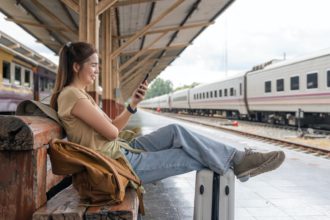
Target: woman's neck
point(77, 85)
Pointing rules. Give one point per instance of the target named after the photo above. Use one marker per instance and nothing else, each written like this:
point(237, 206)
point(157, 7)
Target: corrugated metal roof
point(54, 23)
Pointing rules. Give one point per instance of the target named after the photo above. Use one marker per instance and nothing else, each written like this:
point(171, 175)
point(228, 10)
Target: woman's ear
point(76, 67)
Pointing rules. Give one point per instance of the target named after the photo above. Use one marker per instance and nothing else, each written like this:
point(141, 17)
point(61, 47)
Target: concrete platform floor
point(298, 190)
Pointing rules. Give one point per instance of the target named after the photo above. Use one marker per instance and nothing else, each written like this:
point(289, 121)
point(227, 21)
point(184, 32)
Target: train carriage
point(288, 92)
point(24, 75)
point(280, 91)
point(180, 100)
point(164, 102)
point(223, 97)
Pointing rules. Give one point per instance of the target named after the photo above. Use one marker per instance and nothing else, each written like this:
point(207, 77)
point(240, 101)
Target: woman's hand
point(138, 94)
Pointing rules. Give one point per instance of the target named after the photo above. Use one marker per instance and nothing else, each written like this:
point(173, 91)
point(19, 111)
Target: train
point(292, 92)
point(25, 75)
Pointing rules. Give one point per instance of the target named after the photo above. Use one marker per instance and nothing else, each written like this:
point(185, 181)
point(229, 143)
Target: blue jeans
point(173, 150)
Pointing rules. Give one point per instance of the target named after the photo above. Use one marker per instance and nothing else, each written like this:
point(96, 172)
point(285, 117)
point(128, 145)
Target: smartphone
point(145, 78)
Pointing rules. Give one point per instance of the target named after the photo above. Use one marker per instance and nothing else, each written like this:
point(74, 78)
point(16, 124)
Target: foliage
point(159, 87)
point(187, 86)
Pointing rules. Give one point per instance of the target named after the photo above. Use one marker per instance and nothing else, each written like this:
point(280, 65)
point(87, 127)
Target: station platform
point(298, 190)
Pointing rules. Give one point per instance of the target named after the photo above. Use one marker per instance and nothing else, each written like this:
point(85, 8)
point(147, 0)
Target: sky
point(248, 33)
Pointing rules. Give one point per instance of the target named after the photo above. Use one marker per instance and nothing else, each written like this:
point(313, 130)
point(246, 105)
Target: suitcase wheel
point(201, 189)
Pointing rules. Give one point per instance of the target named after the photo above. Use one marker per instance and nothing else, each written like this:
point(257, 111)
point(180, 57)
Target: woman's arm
point(121, 121)
point(92, 116)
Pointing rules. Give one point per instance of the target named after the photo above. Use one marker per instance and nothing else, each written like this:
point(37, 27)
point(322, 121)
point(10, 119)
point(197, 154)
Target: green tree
point(187, 86)
point(159, 87)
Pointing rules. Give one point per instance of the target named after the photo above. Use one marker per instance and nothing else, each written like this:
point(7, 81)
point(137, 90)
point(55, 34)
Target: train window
point(27, 79)
point(211, 94)
point(207, 95)
point(6, 72)
point(231, 91)
point(240, 89)
point(312, 81)
point(294, 83)
point(18, 75)
point(200, 95)
point(226, 92)
point(216, 93)
point(203, 95)
point(220, 93)
point(280, 85)
point(268, 86)
point(328, 77)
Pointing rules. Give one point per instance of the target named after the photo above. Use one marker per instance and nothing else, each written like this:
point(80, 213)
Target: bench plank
point(65, 206)
point(128, 209)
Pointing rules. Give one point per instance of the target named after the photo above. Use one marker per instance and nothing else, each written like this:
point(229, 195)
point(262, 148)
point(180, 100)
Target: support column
point(89, 32)
point(110, 78)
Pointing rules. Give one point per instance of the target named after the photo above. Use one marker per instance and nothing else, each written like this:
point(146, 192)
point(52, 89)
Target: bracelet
point(132, 111)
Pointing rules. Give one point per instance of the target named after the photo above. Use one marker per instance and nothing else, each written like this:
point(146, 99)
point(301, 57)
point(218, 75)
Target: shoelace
point(249, 151)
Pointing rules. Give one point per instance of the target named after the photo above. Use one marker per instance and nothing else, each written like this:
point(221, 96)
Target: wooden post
point(110, 78)
point(89, 32)
point(25, 178)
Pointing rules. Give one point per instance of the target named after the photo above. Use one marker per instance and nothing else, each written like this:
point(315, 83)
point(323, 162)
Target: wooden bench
point(65, 205)
point(26, 176)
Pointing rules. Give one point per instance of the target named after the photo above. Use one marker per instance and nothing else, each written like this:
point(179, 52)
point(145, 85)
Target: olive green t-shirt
point(81, 133)
point(78, 131)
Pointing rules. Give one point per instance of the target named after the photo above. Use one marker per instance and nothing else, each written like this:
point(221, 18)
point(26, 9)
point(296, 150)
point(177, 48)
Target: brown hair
point(70, 53)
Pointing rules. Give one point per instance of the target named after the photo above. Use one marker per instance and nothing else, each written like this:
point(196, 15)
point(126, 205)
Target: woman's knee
point(175, 126)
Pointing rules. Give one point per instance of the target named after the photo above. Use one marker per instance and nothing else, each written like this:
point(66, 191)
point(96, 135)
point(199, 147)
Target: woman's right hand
point(138, 94)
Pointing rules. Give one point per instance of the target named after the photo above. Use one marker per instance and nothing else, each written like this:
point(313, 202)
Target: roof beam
point(72, 4)
point(142, 62)
point(158, 59)
point(198, 25)
point(146, 28)
point(179, 46)
point(130, 84)
point(47, 42)
point(25, 22)
point(146, 65)
point(69, 15)
point(131, 2)
point(127, 63)
point(51, 15)
point(103, 5)
point(14, 46)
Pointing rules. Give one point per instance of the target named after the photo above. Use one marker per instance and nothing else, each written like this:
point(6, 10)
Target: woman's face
point(88, 72)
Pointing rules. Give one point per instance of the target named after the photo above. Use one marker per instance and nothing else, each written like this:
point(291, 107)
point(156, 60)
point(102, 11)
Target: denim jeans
point(173, 150)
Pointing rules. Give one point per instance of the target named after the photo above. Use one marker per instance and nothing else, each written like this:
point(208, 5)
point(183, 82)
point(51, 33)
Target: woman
point(169, 151)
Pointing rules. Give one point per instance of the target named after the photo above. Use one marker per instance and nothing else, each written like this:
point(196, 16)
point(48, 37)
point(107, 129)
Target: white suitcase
point(214, 196)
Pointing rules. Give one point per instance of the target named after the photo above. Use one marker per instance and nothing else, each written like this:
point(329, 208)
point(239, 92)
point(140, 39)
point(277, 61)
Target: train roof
point(310, 56)
point(236, 75)
point(14, 47)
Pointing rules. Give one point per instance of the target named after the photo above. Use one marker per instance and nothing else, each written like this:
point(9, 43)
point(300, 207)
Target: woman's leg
point(157, 165)
point(209, 153)
point(175, 148)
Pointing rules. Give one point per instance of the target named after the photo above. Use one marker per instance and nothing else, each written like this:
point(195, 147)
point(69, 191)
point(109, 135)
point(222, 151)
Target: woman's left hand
point(138, 94)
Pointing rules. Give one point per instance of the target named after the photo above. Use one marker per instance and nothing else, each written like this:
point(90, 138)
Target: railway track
point(306, 148)
point(267, 125)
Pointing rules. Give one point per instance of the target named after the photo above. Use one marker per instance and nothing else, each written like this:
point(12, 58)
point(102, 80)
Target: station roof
point(16, 48)
point(155, 31)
